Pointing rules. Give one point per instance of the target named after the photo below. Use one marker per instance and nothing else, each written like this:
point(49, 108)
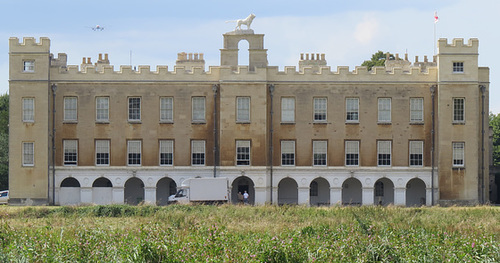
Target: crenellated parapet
point(457, 45)
point(29, 44)
point(60, 61)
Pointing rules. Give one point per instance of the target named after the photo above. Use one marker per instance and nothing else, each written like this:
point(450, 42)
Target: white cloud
point(367, 30)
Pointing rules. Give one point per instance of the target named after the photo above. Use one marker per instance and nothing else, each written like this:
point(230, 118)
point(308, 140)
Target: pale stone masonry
point(308, 135)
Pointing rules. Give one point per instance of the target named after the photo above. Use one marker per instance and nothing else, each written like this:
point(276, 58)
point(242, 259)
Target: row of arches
point(288, 191)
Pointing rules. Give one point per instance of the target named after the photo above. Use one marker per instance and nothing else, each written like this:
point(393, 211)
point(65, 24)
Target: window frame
point(240, 155)
point(70, 104)
point(411, 154)
point(134, 112)
point(416, 109)
point(99, 151)
point(28, 66)
point(70, 152)
point(349, 159)
point(28, 112)
point(102, 113)
point(458, 67)
point(384, 109)
point(384, 157)
point(288, 160)
point(322, 159)
point(242, 112)
point(166, 109)
point(137, 159)
point(198, 112)
point(30, 154)
point(458, 154)
point(457, 113)
point(166, 146)
point(320, 109)
point(202, 156)
point(288, 110)
point(351, 111)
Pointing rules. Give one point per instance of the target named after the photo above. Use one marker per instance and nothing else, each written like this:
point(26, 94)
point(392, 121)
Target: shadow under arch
point(288, 192)
point(164, 188)
point(383, 192)
point(242, 184)
point(319, 192)
point(352, 192)
point(415, 192)
point(134, 191)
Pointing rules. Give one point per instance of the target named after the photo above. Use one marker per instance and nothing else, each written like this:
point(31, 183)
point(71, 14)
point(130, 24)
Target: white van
point(4, 197)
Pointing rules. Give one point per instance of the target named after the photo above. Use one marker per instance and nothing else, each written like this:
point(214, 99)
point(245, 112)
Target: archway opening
point(102, 182)
point(165, 188)
point(288, 192)
point(244, 53)
point(319, 192)
point(134, 191)
point(102, 191)
point(240, 185)
point(351, 192)
point(383, 192)
point(415, 192)
point(69, 193)
point(70, 182)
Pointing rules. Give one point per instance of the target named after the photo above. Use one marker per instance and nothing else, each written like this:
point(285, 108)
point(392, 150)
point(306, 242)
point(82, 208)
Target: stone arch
point(242, 184)
point(134, 191)
point(415, 192)
point(352, 193)
point(102, 191)
point(288, 191)
point(257, 54)
point(165, 188)
point(383, 192)
point(69, 192)
point(319, 192)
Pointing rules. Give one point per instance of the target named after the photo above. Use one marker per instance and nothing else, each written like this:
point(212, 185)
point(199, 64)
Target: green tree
point(378, 59)
point(495, 123)
point(4, 141)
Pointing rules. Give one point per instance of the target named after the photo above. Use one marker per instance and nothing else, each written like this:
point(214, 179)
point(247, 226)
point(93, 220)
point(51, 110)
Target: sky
point(152, 32)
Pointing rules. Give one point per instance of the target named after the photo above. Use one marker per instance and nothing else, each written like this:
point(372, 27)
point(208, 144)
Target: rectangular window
point(198, 113)
point(458, 110)
point(243, 109)
point(458, 154)
point(287, 109)
point(28, 109)
point(242, 152)
point(458, 67)
point(351, 153)
point(384, 153)
point(416, 109)
point(287, 153)
point(352, 109)
point(166, 109)
point(29, 66)
point(319, 153)
point(197, 152)
point(70, 152)
point(28, 153)
point(134, 109)
point(166, 152)
point(320, 109)
point(384, 110)
point(102, 152)
point(102, 109)
point(416, 153)
point(134, 153)
point(70, 109)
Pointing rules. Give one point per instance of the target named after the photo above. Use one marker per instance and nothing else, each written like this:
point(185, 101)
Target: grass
point(121, 233)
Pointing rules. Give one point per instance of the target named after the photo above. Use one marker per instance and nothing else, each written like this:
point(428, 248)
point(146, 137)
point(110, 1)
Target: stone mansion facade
point(409, 133)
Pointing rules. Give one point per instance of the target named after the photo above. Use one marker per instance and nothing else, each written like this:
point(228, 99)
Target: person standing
point(245, 197)
point(240, 198)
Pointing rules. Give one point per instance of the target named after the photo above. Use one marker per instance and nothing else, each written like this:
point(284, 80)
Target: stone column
point(400, 196)
point(260, 195)
point(150, 195)
point(275, 195)
point(335, 195)
point(367, 195)
point(428, 196)
point(303, 195)
point(118, 195)
point(86, 195)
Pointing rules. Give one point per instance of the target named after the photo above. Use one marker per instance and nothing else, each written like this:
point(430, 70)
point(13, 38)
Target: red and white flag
point(436, 18)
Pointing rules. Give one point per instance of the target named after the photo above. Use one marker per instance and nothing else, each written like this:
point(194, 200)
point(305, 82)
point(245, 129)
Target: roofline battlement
point(29, 45)
point(457, 45)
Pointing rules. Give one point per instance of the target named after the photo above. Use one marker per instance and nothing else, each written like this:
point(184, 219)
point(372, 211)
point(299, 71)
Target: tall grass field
point(229, 233)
